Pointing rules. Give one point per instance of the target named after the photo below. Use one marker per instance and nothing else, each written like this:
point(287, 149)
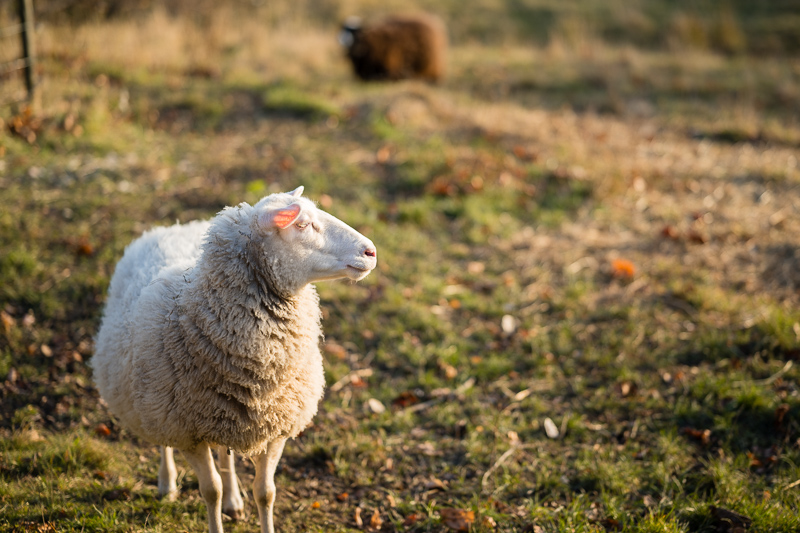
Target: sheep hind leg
point(264, 484)
point(167, 476)
point(210, 482)
point(232, 503)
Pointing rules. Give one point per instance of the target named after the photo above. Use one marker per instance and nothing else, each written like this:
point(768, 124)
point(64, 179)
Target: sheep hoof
point(235, 515)
point(169, 496)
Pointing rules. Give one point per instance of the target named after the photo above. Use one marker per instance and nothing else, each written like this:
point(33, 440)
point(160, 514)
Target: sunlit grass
point(499, 201)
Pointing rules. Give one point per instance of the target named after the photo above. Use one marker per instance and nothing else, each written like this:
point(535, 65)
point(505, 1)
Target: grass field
point(586, 312)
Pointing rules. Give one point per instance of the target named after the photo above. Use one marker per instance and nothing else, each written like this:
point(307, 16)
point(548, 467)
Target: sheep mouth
point(357, 273)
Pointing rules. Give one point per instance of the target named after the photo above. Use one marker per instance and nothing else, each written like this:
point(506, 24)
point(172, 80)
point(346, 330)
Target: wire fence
point(17, 54)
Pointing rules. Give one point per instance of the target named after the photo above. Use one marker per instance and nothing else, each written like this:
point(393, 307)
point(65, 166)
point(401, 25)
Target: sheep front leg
point(167, 475)
point(210, 483)
point(264, 485)
point(232, 503)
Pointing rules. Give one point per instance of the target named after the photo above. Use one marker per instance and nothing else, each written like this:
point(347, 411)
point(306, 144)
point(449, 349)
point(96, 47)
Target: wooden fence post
point(29, 52)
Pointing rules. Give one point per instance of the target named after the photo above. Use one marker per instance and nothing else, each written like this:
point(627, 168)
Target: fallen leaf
point(102, 430)
point(287, 163)
point(376, 406)
point(7, 320)
point(405, 399)
point(457, 519)
point(488, 522)
point(316, 505)
point(375, 522)
point(343, 497)
point(383, 154)
point(622, 268)
point(755, 462)
point(670, 232)
point(703, 435)
point(449, 370)
point(508, 324)
point(411, 519)
point(84, 248)
point(442, 186)
point(391, 501)
point(357, 382)
point(550, 428)
point(627, 388)
point(435, 484)
point(29, 319)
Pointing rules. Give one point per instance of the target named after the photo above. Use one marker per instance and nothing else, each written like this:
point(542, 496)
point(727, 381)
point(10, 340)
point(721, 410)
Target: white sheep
point(211, 338)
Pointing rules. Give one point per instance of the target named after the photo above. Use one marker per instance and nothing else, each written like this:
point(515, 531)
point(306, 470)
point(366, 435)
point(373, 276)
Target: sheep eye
point(301, 225)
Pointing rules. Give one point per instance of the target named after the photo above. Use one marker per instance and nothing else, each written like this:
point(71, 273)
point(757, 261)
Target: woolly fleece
point(201, 342)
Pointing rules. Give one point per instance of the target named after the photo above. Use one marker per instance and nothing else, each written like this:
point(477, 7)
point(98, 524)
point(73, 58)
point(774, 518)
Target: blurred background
point(586, 312)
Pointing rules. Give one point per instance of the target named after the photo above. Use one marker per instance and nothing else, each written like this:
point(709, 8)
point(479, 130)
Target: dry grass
point(579, 230)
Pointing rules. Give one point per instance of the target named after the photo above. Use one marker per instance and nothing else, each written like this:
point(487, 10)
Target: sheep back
point(398, 47)
point(193, 349)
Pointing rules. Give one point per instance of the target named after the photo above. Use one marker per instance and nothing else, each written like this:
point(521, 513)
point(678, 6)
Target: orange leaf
point(622, 268)
point(703, 435)
point(488, 522)
point(411, 519)
point(102, 430)
point(84, 248)
point(405, 399)
point(7, 320)
point(458, 519)
point(375, 522)
point(670, 232)
point(383, 154)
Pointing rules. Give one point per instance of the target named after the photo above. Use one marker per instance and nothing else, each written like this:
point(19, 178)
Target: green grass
point(499, 201)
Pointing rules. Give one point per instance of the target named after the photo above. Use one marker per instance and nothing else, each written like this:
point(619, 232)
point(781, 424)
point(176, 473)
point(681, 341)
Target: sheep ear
point(280, 218)
point(297, 192)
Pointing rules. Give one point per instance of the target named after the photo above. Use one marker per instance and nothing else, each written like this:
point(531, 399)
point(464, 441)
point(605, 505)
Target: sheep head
point(350, 29)
point(303, 244)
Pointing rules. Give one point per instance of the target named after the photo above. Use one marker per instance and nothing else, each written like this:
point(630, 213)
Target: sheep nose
point(371, 252)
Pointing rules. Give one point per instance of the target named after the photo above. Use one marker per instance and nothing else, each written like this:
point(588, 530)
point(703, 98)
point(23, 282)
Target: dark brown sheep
point(397, 47)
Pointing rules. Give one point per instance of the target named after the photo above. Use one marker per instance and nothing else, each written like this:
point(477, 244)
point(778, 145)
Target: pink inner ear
point(283, 218)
